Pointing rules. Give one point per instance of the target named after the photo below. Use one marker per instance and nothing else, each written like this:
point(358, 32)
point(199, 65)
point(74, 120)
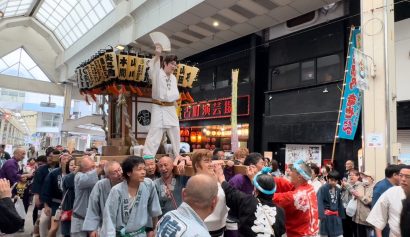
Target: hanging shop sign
point(308, 153)
point(349, 117)
point(213, 109)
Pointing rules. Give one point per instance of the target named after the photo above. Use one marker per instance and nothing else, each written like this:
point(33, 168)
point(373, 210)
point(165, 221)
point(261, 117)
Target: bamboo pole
point(341, 98)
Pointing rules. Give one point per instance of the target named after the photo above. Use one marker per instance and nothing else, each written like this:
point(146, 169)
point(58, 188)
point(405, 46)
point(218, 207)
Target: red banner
point(212, 109)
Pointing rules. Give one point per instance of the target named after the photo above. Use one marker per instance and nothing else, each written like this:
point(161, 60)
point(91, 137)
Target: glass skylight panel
point(77, 31)
point(93, 17)
point(100, 11)
point(87, 22)
point(69, 19)
point(13, 8)
point(3, 65)
point(18, 63)
point(13, 4)
point(38, 74)
point(82, 27)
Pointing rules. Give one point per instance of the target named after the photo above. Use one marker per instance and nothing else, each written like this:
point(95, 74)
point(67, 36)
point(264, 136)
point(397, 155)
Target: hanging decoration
point(112, 73)
point(193, 137)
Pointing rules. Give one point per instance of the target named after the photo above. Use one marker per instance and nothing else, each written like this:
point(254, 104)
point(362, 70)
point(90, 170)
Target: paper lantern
point(186, 132)
point(213, 133)
point(193, 137)
point(199, 137)
point(218, 133)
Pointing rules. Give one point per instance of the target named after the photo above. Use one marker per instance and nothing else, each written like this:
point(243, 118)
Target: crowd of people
point(73, 195)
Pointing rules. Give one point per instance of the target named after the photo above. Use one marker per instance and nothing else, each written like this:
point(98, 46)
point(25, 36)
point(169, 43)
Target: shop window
point(206, 75)
point(300, 20)
point(329, 68)
point(286, 72)
point(286, 76)
point(13, 93)
point(224, 72)
point(308, 71)
point(222, 84)
point(50, 120)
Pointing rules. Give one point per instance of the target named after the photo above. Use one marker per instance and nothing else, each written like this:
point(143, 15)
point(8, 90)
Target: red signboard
point(212, 109)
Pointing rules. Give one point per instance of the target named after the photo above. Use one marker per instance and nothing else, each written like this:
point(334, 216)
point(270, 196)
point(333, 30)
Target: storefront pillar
point(379, 109)
point(68, 89)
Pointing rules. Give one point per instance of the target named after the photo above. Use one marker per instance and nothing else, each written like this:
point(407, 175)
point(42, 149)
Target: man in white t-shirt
point(388, 208)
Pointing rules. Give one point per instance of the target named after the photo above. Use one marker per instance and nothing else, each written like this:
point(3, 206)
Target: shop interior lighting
point(215, 23)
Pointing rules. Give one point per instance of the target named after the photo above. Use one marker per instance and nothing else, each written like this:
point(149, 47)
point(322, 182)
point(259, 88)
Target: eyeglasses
point(406, 176)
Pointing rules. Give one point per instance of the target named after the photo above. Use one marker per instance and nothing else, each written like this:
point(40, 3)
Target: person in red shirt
point(298, 199)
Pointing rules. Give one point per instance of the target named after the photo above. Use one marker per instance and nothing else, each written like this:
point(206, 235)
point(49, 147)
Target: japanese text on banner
point(349, 117)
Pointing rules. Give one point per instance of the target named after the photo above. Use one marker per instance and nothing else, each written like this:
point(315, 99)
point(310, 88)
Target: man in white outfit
point(388, 207)
point(164, 96)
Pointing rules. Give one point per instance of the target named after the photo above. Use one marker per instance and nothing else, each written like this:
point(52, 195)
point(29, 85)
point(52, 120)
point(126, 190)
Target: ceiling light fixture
point(215, 24)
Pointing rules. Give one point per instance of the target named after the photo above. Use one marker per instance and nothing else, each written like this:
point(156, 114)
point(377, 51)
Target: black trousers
point(361, 230)
point(349, 228)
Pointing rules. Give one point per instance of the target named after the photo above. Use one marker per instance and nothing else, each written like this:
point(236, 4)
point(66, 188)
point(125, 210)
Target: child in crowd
point(331, 210)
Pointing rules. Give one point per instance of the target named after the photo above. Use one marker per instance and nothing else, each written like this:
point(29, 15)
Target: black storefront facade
point(305, 79)
point(209, 116)
point(294, 85)
point(284, 108)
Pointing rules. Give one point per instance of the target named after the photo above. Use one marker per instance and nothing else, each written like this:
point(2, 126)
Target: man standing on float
point(164, 96)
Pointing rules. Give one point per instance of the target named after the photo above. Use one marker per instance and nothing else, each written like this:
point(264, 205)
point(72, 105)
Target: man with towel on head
point(299, 201)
